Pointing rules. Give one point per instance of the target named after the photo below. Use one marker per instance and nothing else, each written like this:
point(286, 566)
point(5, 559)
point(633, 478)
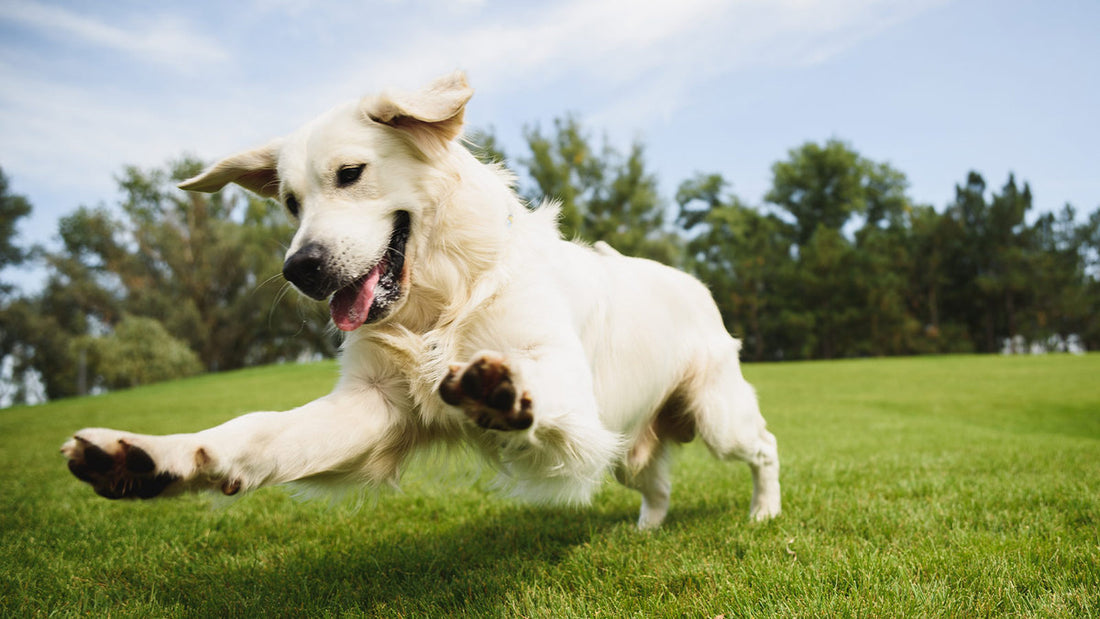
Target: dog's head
point(353, 180)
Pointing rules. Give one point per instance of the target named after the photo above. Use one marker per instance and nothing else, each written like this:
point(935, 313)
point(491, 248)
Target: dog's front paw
point(115, 468)
point(484, 389)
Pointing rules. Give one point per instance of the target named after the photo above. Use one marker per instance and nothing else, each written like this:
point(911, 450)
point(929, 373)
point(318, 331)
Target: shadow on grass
point(490, 566)
point(272, 555)
point(475, 567)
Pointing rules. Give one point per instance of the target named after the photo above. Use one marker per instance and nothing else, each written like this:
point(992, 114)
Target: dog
point(467, 320)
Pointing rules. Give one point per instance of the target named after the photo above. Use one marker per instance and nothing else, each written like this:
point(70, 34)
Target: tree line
point(166, 285)
point(837, 261)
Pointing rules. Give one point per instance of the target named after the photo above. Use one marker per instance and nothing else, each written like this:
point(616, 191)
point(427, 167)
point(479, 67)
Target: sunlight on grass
point(959, 486)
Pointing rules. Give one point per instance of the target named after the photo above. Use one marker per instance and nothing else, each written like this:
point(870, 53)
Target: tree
point(15, 315)
point(565, 168)
point(819, 186)
point(206, 268)
point(1059, 307)
point(883, 255)
point(850, 291)
point(629, 214)
point(1005, 281)
point(12, 209)
point(933, 245)
point(604, 196)
point(886, 323)
point(1088, 235)
point(990, 260)
point(829, 293)
point(743, 256)
point(138, 351)
point(965, 247)
point(37, 349)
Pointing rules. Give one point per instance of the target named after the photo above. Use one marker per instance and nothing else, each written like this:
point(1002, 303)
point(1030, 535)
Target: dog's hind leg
point(728, 418)
point(652, 481)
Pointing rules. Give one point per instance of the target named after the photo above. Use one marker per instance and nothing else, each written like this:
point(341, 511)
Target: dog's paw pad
point(116, 471)
point(485, 391)
point(138, 461)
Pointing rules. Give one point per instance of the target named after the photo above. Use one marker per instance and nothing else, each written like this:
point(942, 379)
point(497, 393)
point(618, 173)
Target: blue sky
point(935, 87)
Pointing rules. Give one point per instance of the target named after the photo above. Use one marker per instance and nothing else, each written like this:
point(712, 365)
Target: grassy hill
point(960, 486)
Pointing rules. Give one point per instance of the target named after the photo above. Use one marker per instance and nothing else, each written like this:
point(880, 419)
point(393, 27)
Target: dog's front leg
point(540, 406)
point(345, 433)
point(486, 390)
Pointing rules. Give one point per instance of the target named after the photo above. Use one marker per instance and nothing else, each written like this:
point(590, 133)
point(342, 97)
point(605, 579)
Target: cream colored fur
point(621, 357)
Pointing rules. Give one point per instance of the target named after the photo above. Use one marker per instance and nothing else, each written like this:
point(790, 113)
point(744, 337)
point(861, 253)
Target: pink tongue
point(350, 306)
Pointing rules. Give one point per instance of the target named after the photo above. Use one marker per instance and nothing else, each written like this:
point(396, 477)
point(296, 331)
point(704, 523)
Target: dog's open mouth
point(371, 297)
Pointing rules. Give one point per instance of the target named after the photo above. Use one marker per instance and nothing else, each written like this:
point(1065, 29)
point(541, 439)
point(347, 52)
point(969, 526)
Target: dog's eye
point(349, 174)
point(292, 204)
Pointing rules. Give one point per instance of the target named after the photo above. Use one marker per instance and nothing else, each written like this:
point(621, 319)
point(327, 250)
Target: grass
point(949, 486)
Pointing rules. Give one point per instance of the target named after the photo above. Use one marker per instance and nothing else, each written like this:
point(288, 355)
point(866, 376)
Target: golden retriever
point(468, 319)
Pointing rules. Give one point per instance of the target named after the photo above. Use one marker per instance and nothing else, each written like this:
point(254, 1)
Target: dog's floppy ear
point(255, 170)
point(434, 113)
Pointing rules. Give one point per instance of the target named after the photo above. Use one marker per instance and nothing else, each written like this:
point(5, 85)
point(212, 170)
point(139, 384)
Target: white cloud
point(620, 44)
point(64, 144)
point(604, 38)
point(642, 59)
point(164, 40)
point(635, 62)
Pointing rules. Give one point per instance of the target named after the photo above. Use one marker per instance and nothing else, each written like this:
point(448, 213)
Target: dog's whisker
point(279, 296)
point(269, 280)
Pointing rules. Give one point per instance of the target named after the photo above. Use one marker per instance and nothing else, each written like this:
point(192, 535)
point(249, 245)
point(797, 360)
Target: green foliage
point(12, 208)
point(36, 345)
point(842, 264)
point(604, 195)
point(206, 268)
point(138, 351)
point(823, 186)
point(743, 255)
point(998, 277)
point(565, 168)
point(926, 487)
point(837, 261)
point(203, 274)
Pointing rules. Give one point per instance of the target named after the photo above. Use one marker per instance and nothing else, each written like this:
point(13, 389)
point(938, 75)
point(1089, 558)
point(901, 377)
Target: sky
point(934, 87)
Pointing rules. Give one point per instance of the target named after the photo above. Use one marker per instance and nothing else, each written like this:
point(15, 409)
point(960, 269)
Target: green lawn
point(957, 486)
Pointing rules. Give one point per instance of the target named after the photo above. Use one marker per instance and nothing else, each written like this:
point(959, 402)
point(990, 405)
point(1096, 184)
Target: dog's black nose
point(306, 270)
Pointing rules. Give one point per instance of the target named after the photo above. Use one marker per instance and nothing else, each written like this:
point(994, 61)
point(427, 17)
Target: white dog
point(468, 319)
